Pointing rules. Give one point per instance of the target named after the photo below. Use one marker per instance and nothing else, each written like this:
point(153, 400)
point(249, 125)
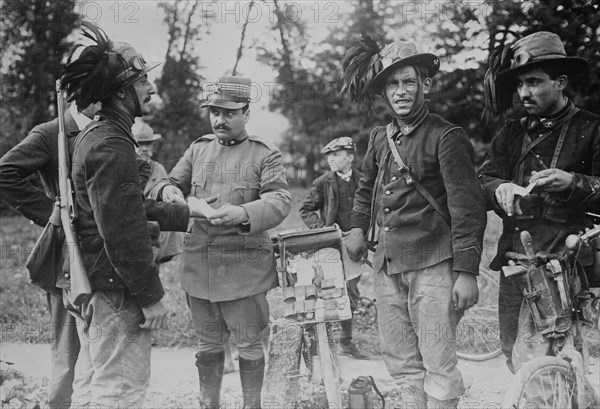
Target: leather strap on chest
point(528, 145)
point(408, 177)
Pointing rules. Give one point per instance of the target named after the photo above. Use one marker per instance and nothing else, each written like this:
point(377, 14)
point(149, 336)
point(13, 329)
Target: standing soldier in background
point(170, 243)
point(227, 265)
point(332, 196)
point(419, 187)
point(38, 153)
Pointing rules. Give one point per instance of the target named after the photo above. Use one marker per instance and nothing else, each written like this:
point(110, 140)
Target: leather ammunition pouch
point(548, 294)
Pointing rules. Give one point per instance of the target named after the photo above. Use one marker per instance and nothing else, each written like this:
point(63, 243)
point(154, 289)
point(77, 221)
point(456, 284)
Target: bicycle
point(554, 286)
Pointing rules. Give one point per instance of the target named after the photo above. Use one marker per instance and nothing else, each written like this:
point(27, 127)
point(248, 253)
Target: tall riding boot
point(210, 371)
point(252, 373)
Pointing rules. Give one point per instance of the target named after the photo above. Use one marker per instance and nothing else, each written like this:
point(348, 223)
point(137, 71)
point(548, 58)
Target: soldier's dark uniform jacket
point(38, 152)
point(112, 227)
point(548, 217)
point(412, 234)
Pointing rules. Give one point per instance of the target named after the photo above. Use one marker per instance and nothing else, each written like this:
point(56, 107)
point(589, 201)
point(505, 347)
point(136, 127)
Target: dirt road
point(174, 377)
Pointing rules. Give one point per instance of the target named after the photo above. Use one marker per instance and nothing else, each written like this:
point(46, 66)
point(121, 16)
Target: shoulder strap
point(413, 181)
point(528, 145)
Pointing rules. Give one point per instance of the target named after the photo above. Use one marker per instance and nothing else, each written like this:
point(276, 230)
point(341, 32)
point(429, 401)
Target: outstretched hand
point(552, 180)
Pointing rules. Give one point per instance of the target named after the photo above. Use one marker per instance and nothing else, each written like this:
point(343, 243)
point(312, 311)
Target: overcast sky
point(140, 23)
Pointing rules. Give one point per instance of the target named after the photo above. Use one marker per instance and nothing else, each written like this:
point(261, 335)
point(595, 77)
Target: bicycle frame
point(568, 352)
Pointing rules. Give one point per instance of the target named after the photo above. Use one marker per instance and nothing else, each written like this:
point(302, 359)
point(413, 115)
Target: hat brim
point(140, 74)
point(221, 103)
point(154, 138)
point(425, 60)
point(575, 66)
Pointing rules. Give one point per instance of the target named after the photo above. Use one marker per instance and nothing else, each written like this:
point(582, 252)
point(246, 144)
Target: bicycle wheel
point(545, 382)
point(478, 332)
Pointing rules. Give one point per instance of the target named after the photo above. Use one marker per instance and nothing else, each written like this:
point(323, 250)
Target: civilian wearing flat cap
point(227, 265)
point(428, 251)
point(329, 202)
point(556, 145)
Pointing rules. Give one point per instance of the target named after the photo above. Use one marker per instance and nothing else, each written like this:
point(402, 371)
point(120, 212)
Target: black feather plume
point(498, 97)
point(90, 77)
point(360, 64)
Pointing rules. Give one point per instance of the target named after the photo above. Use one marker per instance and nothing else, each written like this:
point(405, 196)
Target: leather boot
point(251, 374)
point(210, 372)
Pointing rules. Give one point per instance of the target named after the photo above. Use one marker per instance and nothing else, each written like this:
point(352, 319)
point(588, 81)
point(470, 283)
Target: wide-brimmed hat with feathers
point(507, 60)
point(96, 72)
point(367, 63)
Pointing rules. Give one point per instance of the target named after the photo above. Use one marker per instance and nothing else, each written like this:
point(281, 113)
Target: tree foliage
point(34, 40)
point(457, 31)
point(178, 118)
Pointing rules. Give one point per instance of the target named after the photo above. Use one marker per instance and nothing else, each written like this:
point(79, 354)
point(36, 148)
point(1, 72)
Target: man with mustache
point(557, 147)
point(227, 265)
point(419, 190)
point(114, 323)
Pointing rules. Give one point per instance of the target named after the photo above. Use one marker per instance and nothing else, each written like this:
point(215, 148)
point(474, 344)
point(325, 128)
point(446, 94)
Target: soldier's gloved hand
point(356, 245)
point(155, 315)
point(506, 198)
point(172, 194)
point(465, 293)
point(552, 180)
point(229, 215)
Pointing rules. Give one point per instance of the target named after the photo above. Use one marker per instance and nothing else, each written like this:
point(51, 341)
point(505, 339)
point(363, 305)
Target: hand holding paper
point(201, 207)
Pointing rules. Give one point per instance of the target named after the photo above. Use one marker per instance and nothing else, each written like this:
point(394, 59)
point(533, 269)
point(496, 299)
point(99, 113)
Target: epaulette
point(261, 141)
point(207, 138)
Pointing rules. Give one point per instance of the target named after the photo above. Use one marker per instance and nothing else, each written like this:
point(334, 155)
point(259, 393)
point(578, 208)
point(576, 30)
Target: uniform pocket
point(200, 189)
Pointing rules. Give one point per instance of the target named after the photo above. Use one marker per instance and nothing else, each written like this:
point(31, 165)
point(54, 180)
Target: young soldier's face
point(228, 124)
point(403, 88)
point(540, 95)
point(340, 161)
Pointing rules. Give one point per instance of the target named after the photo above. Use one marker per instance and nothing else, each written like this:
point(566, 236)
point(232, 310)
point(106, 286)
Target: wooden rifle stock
point(80, 284)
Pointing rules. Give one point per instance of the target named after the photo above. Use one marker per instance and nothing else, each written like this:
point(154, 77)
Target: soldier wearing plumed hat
point(114, 324)
point(555, 148)
point(420, 195)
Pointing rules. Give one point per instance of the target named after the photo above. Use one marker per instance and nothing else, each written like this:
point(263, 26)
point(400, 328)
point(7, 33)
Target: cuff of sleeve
point(251, 226)
point(152, 293)
point(579, 190)
point(156, 192)
point(467, 260)
point(182, 219)
point(360, 220)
